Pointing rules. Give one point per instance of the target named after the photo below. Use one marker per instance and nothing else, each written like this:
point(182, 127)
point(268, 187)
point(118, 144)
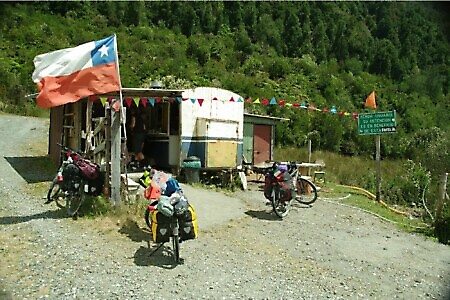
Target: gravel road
point(327, 251)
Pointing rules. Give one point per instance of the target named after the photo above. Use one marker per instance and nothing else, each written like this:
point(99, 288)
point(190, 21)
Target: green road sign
point(377, 123)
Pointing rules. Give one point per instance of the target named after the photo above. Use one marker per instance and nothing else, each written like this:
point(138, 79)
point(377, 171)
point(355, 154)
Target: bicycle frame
point(306, 191)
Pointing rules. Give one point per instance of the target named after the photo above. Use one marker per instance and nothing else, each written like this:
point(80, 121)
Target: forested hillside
point(321, 54)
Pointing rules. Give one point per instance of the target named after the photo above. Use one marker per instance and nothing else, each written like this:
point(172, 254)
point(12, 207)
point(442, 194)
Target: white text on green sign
point(377, 123)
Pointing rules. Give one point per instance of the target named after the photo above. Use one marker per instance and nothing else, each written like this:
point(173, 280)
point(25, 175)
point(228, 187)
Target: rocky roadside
point(327, 251)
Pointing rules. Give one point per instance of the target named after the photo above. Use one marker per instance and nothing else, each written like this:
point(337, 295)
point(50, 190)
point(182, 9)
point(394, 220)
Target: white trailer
point(212, 131)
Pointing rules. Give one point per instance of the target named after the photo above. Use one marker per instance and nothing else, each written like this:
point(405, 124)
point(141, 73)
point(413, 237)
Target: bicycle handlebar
point(67, 149)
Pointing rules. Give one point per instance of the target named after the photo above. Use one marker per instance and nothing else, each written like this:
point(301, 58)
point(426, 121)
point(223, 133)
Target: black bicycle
point(283, 184)
point(279, 189)
point(76, 178)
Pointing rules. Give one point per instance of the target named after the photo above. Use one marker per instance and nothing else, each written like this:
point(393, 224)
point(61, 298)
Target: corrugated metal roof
point(268, 118)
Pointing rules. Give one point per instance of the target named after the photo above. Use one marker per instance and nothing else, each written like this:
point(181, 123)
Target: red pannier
point(287, 188)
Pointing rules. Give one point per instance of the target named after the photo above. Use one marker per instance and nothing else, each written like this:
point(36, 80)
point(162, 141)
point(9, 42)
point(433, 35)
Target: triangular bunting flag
point(257, 101)
point(273, 101)
point(249, 100)
point(103, 100)
point(215, 98)
point(232, 99)
point(151, 101)
point(157, 100)
point(193, 100)
point(179, 99)
point(144, 101)
point(200, 101)
point(296, 105)
point(282, 102)
point(184, 99)
point(265, 101)
point(240, 100)
point(136, 101)
point(128, 102)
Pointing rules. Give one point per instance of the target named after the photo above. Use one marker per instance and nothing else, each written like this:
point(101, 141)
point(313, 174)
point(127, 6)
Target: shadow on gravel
point(150, 255)
point(262, 215)
point(135, 233)
point(5, 294)
point(53, 214)
point(32, 168)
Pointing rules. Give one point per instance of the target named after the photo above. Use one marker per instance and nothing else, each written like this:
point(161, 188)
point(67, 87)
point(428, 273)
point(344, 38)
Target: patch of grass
point(407, 222)
point(348, 170)
point(94, 206)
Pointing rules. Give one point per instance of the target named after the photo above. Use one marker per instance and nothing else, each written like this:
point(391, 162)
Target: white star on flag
point(103, 50)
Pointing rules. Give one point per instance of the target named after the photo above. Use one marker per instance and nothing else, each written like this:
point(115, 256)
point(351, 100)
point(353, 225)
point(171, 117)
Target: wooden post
point(378, 158)
point(107, 125)
point(309, 155)
point(115, 157)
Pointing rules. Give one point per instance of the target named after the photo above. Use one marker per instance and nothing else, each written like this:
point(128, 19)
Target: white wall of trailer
point(215, 126)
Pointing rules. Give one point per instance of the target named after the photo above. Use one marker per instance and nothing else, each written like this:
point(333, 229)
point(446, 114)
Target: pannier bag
point(188, 224)
point(71, 175)
point(95, 187)
point(161, 231)
point(164, 206)
point(88, 168)
point(287, 188)
point(179, 202)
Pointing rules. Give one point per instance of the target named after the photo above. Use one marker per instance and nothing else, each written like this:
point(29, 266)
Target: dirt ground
point(243, 251)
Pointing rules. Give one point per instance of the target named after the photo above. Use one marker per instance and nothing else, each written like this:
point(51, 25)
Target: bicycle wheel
point(306, 191)
point(74, 200)
point(176, 244)
point(147, 217)
point(280, 208)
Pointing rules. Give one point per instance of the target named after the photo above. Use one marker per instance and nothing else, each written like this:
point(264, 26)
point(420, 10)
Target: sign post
point(377, 123)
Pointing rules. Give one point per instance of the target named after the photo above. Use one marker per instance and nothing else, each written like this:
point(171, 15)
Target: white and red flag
point(67, 75)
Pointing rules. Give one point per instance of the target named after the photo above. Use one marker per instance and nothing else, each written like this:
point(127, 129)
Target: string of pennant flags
point(370, 101)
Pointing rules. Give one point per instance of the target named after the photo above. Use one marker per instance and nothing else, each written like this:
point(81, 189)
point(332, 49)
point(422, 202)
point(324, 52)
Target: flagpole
point(116, 148)
point(120, 85)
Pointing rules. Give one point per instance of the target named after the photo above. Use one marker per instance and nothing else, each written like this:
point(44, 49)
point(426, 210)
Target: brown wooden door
point(261, 143)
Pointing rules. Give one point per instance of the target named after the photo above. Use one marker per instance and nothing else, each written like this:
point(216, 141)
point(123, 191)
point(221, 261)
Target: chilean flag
point(67, 75)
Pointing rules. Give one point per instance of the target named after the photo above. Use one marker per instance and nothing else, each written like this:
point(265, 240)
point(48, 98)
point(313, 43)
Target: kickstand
point(157, 248)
